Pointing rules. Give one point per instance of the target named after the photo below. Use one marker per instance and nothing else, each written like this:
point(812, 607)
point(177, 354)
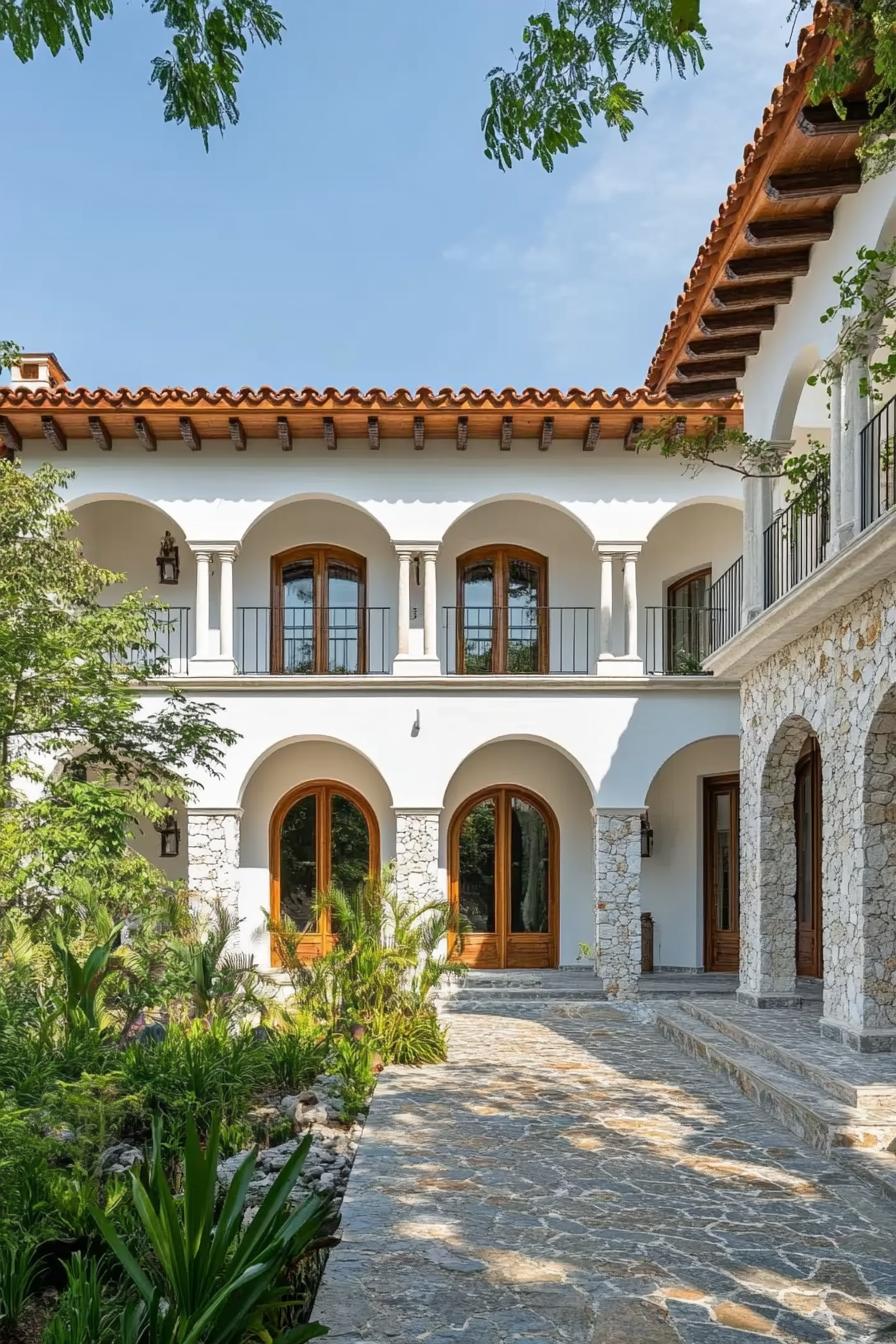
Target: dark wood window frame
point(712, 786)
point(808, 775)
point(502, 555)
point(321, 557)
point(322, 939)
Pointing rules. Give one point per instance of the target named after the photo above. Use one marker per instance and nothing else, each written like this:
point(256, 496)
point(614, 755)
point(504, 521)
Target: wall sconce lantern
point(646, 837)
point(169, 835)
point(168, 560)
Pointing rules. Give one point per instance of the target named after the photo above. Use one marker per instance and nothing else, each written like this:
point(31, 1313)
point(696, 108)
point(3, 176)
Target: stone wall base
point(746, 996)
point(866, 1040)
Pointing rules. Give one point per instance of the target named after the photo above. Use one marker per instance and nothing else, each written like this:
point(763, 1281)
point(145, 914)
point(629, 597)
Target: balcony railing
point(169, 644)
point(677, 640)
point(726, 599)
point(878, 443)
point(306, 640)
point(796, 542)
point(518, 640)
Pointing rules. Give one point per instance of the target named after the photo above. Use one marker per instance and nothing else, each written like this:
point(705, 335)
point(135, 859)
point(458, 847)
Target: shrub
point(84, 1314)
point(19, 1270)
point(410, 1034)
point(351, 1060)
point(295, 1055)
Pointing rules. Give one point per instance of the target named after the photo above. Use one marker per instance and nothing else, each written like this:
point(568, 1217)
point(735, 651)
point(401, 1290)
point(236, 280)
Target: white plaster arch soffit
point(312, 739)
point(453, 767)
point(167, 512)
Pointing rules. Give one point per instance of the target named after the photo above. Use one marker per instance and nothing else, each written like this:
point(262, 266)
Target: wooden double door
point(721, 884)
point(503, 847)
point(807, 822)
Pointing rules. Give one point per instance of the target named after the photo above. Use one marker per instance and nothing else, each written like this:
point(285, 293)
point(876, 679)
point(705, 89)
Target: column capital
point(214, 812)
point(227, 549)
point(413, 548)
point(417, 810)
point(610, 549)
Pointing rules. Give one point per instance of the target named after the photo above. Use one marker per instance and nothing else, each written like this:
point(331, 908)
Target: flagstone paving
point(570, 1176)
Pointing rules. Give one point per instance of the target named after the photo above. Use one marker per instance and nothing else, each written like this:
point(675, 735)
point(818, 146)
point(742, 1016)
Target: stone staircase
point(840, 1102)
point(480, 991)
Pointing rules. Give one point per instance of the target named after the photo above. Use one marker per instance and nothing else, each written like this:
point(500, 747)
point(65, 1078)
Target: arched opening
point(503, 857)
point(324, 835)
point(501, 614)
point(878, 917)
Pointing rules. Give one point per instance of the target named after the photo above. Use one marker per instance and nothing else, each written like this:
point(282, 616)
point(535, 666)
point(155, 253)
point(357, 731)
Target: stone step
point(829, 1067)
point(827, 1124)
point(476, 994)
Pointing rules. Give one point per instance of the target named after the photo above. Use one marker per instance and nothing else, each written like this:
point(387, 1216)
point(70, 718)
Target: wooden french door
point(318, 611)
point(502, 613)
point(807, 819)
point(503, 849)
point(721, 905)
point(323, 835)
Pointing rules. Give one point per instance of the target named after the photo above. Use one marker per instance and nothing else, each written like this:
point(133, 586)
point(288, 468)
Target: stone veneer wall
point(213, 856)
point(835, 681)
point(417, 857)
point(617, 871)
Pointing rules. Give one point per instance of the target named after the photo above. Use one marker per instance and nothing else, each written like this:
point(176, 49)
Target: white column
point(836, 462)
point(404, 603)
point(605, 649)
point(430, 634)
point(855, 417)
point(227, 558)
point(757, 516)
point(630, 602)
point(203, 559)
point(217, 660)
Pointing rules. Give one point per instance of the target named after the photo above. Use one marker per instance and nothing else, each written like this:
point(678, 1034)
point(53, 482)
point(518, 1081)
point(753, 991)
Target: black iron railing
point(307, 640)
point(677, 640)
point(796, 542)
point(168, 645)
point(518, 640)
point(726, 599)
point(878, 446)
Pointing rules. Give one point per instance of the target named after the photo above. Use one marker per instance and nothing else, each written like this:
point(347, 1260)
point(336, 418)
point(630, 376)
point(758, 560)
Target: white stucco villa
point(556, 678)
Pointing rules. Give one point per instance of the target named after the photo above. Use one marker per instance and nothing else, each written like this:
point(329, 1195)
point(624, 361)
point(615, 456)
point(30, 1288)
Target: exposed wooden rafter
point(769, 265)
point(734, 343)
point(419, 433)
point(840, 180)
point(506, 433)
point(790, 229)
point(329, 432)
point(54, 433)
point(547, 434)
point(633, 433)
point(99, 433)
point(373, 432)
point(284, 433)
point(237, 433)
point(741, 319)
point(462, 432)
point(592, 435)
point(190, 434)
point(144, 433)
point(702, 391)
point(826, 120)
point(10, 436)
point(729, 297)
point(732, 366)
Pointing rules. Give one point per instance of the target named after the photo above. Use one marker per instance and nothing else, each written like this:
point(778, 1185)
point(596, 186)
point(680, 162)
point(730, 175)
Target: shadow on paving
point(569, 1176)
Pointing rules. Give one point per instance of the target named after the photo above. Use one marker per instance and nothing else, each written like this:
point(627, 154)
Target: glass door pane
point(522, 616)
point(528, 868)
point(344, 599)
point(805, 822)
point(688, 624)
point(722, 863)
point(349, 845)
point(297, 601)
point(476, 875)
point(478, 617)
point(298, 862)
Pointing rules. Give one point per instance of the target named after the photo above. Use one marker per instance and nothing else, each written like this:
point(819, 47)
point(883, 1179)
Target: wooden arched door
point(504, 865)
point(323, 835)
point(318, 605)
point(807, 821)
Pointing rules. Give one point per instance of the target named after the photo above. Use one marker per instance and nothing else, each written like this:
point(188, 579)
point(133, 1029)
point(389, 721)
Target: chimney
point(38, 373)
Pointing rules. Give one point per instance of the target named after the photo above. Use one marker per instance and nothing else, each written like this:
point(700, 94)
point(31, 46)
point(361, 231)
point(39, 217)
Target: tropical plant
point(295, 1054)
point(352, 1059)
point(221, 980)
point(409, 1037)
point(83, 981)
point(19, 1271)
point(84, 1314)
point(214, 1280)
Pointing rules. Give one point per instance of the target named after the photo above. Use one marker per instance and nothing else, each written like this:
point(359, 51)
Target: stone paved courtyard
point(569, 1175)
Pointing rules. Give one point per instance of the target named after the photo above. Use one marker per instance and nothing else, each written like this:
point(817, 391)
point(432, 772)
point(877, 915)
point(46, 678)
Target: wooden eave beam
point(632, 434)
point(329, 432)
point(734, 366)
point(462, 433)
point(768, 265)
point(546, 436)
point(839, 180)
point(741, 319)
point(826, 120)
point(701, 391)
point(735, 343)
point(99, 433)
point(144, 433)
point(506, 433)
point(54, 433)
point(373, 432)
point(190, 434)
point(592, 435)
point(419, 433)
point(729, 297)
point(790, 229)
point(237, 433)
point(9, 435)
point(284, 433)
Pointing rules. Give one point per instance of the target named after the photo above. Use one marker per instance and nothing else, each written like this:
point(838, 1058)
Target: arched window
point(503, 857)
point(688, 623)
point(322, 835)
point(502, 594)
point(318, 603)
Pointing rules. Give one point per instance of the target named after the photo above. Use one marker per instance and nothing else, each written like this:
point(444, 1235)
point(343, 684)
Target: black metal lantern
point(168, 560)
point(646, 837)
point(169, 835)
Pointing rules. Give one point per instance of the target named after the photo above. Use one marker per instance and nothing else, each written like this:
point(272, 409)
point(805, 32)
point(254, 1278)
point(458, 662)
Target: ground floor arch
point(878, 913)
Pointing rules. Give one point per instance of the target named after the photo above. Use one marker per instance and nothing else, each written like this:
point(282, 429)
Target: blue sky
point(349, 230)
